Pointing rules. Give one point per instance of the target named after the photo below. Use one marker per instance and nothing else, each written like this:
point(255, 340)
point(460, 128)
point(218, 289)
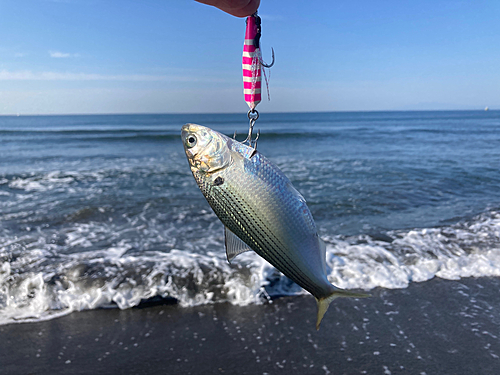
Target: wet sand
point(437, 327)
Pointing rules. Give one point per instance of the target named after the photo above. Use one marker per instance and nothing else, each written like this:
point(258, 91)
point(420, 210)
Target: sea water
point(102, 210)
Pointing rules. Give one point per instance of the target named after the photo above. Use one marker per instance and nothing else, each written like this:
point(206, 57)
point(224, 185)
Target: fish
point(260, 210)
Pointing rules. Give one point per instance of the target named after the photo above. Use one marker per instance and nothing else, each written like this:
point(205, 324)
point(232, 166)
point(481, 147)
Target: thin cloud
point(27, 75)
point(62, 55)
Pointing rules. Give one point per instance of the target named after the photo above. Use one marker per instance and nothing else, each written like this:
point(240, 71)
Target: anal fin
point(234, 246)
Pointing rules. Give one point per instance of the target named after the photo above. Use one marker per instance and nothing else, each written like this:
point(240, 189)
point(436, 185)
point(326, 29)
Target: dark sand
point(437, 327)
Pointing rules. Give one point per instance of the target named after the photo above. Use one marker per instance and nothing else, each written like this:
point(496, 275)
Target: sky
point(180, 56)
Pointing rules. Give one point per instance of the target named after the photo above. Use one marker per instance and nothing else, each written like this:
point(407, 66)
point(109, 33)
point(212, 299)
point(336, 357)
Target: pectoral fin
point(234, 246)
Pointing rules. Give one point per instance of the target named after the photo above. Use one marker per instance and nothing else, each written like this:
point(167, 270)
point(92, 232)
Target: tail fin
point(324, 302)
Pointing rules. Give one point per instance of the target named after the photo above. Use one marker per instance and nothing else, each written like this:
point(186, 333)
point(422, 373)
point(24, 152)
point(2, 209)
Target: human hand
point(238, 8)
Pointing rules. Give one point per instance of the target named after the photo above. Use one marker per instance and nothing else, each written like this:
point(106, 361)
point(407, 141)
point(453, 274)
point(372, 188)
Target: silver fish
point(260, 210)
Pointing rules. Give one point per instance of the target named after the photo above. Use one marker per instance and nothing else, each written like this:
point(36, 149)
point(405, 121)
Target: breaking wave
point(38, 282)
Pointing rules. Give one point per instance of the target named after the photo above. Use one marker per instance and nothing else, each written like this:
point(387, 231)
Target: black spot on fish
point(218, 181)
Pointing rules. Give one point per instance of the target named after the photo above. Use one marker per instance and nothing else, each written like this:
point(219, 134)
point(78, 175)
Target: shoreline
point(435, 327)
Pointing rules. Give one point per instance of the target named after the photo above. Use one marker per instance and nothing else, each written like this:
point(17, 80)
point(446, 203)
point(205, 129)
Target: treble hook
point(268, 65)
point(253, 115)
point(256, 41)
point(255, 140)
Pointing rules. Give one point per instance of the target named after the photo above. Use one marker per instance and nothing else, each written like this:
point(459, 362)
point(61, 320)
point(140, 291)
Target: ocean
point(101, 211)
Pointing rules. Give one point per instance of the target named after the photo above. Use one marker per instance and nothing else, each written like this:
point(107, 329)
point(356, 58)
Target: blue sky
point(178, 56)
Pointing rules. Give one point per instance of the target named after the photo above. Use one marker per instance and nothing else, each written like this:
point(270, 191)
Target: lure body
point(252, 65)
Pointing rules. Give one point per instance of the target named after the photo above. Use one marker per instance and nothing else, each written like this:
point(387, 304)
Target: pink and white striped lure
point(252, 62)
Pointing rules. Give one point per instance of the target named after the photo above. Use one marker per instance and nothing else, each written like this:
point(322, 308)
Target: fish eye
point(191, 141)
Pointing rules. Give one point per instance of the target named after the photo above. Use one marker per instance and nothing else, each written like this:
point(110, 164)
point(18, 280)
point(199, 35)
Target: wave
point(40, 282)
point(50, 180)
point(67, 136)
point(82, 136)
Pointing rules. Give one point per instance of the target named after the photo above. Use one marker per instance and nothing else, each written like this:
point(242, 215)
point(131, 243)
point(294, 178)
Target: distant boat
point(486, 109)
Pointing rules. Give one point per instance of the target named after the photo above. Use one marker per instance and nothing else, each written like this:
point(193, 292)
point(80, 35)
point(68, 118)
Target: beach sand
point(436, 327)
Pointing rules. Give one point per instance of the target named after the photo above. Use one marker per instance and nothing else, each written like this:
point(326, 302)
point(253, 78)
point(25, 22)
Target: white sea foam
point(102, 278)
point(41, 281)
point(463, 250)
point(51, 180)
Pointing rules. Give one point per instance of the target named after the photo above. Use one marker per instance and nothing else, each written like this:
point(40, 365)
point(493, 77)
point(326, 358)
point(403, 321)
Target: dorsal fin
point(234, 246)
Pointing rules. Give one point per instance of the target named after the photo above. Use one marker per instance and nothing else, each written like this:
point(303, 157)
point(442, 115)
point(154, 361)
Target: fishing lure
point(252, 70)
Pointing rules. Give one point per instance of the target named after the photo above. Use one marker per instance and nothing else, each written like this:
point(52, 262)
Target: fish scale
point(260, 210)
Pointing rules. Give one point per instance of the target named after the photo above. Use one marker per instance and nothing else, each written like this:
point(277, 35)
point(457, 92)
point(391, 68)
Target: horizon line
point(235, 113)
